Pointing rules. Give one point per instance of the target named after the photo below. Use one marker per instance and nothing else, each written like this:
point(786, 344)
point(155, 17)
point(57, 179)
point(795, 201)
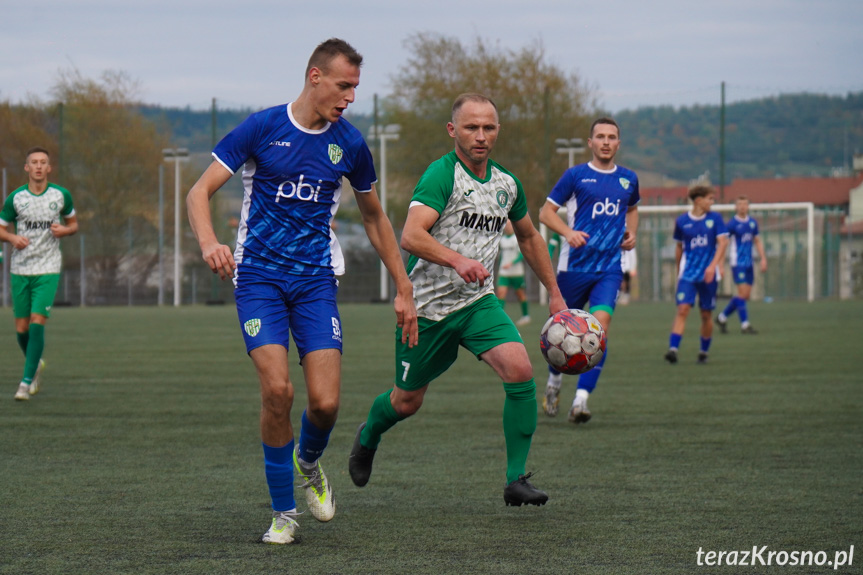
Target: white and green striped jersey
point(33, 215)
point(473, 213)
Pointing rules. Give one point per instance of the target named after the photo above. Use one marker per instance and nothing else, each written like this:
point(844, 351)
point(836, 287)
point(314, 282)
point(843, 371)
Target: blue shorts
point(742, 274)
point(599, 288)
point(273, 306)
point(686, 291)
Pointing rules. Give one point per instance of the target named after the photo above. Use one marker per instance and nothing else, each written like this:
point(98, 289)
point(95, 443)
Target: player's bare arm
point(548, 216)
point(761, 253)
point(68, 228)
point(18, 242)
point(535, 253)
point(217, 255)
point(382, 237)
point(631, 228)
point(417, 240)
point(710, 272)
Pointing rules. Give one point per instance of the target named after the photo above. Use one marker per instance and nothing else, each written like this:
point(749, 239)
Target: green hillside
point(782, 136)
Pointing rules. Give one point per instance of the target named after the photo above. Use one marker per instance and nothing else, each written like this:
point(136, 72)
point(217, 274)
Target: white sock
point(554, 380)
point(581, 396)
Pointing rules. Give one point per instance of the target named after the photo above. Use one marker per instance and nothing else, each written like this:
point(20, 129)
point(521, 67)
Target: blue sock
point(744, 313)
point(313, 440)
point(279, 469)
point(705, 344)
point(674, 341)
point(731, 307)
point(588, 379)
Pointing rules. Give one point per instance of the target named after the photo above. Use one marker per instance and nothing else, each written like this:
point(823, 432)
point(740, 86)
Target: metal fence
point(144, 274)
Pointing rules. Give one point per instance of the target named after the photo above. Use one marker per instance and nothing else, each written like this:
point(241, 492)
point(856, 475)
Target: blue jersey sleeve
point(721, 228)
point(636, 196)
point(362, 175)
point(239, 145)
point(678, 232)
point(563, 189)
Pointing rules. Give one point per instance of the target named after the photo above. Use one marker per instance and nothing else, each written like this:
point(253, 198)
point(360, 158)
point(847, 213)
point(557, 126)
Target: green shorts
point(514, 282)
point(33, 294)
point(478, 327)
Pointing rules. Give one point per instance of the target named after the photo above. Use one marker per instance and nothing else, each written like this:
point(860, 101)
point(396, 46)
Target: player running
point(602, 218)
point(294, 157)
point(36, 211)
point(701, 241)
point(453, 230)
point(743, 230)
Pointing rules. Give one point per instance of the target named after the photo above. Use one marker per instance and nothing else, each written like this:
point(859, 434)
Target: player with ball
point(602, 218)
point(453, 230)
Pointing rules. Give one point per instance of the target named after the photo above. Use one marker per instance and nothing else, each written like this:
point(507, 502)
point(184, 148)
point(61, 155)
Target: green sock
point(519, 423)
point(35, 345)
point(524, 308)
point(23, 338)
point(382, 416)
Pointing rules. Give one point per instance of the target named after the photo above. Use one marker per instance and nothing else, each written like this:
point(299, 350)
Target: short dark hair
point(604, 120)
point(463, 99)
point(36, 150)
point(743, 197)
point(700, 191)
point(330, 49)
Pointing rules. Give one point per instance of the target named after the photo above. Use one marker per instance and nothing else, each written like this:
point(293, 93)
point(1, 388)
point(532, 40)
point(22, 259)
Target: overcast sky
point(253, 54)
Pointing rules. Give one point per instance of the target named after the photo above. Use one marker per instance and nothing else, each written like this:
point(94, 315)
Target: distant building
point(823, 192)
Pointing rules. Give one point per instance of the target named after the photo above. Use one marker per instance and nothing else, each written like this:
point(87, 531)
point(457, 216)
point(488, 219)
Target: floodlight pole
point(384, 133)
point(570, 147)
point(161, 235)
point(177, 155)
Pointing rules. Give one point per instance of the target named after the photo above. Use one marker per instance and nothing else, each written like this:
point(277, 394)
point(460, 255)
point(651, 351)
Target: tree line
point(107, 146)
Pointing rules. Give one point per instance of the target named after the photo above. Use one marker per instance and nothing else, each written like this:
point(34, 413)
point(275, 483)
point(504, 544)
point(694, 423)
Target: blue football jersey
point(741, 232)
point(698, 236)
point(292, 181)
point(596, 202)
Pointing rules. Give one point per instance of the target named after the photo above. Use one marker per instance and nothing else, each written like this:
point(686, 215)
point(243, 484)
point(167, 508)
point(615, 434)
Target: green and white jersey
point(33, 215)
point(510, 254)
point(473, 213)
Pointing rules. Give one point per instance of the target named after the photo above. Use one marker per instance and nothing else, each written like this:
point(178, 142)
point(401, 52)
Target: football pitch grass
point(142, 452)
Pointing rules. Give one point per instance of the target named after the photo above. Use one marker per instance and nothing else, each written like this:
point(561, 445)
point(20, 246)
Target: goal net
point(793, 238)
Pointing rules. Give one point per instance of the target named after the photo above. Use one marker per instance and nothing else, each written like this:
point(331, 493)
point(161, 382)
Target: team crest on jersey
point(709, 224)
point(502, 198)
point(53, 205)
point(751, 225)
point(335, 153)
point(625, 183)
point(252, 327)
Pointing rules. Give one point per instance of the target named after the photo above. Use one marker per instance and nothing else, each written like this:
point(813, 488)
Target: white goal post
point(808, 207)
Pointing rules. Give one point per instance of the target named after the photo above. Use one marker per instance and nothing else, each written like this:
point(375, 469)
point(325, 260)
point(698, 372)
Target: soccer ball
point(572, 341)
